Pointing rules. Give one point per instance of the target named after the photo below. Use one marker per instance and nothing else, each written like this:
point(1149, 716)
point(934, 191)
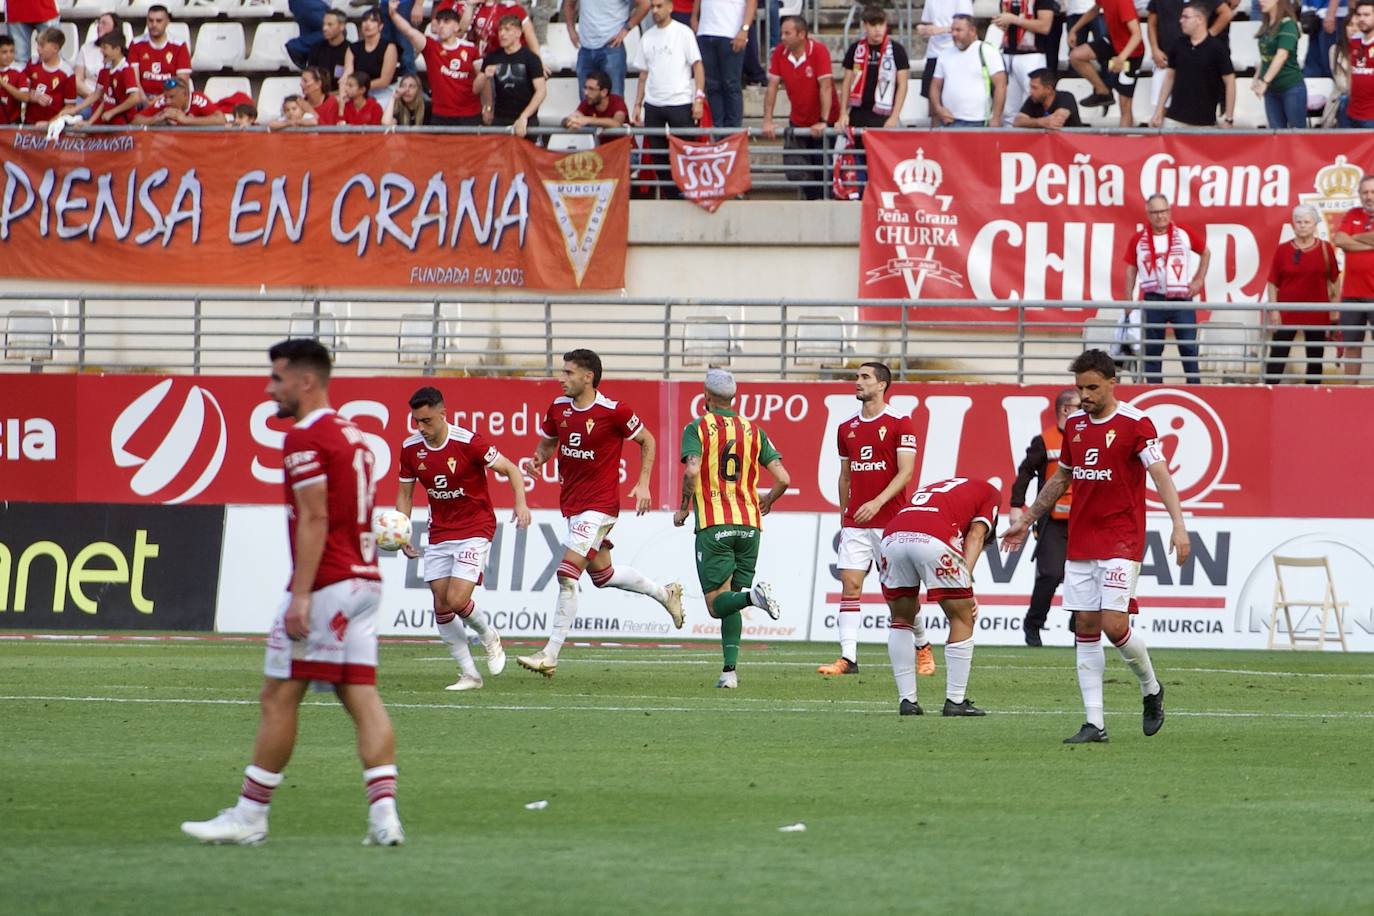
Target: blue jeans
point(1319, 44)
point(405, 51)
point(1185, 338)
point(724, 80)
point(611, 60)
point(1356, 122)
point(22, 33)
point(309, 16)
point(960, 123)
point(1286, 108)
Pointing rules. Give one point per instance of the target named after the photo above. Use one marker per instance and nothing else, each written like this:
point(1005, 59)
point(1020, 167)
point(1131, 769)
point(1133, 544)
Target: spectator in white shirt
point(970, 85)
point(936, 17)
point(722, 28)
point(672, 81)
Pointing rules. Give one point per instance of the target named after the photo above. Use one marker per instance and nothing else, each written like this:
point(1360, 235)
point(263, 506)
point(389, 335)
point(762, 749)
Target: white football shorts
point(910, 558)
point(859, 548)
point(1100, 585)
point(464, 558)
point(587, 531)
point(342, 646)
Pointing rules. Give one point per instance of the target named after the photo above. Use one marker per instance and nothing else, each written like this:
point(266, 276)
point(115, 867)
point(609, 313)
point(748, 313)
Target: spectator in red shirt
point(802, 66)
point(318, 99)
point(1356, 238)
point(450, 62)
point(116, 91)
point(1120, 56)
point(1303, 269)
point(156, 58)
point(1360, 110)
point(14, 84)
point(51, 82)
point(23, 18)
point(178, 105)
point(600, 106)
point(486, 27)
point(359, 109)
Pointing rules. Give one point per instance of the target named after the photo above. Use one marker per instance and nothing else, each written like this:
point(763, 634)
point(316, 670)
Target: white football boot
point(385, 832)
point(466, 682)
point(538, 663)
point(674, 603)
point(761, 595)
point(496, 656)
point(729, 680)
point(230, 826)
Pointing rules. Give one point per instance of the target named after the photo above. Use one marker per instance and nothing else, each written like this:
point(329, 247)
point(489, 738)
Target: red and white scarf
point(1165, 273)
point(886, 91)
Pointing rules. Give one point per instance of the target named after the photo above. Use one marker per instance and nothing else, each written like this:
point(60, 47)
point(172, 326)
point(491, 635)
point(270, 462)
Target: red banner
point(313, 209)
point(1028, 215)
point(708, 174)
point(213, 439)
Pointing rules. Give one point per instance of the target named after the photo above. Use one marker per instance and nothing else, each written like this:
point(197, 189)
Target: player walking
point(937, 540)
point(451, 464)
point(722, 453)
point(1108, 448)
point(877, 459)
point(326, 629)
point(588, 431)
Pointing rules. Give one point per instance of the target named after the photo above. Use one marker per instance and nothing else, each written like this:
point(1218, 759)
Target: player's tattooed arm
point(1054, 488)
point(691, 473)
point(647, 450)
point(542, 453)
point(781, 481)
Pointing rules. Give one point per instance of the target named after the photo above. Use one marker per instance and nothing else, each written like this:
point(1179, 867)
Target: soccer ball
point(392, 529)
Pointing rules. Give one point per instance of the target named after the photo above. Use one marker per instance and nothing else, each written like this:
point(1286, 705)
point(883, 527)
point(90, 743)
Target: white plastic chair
point(271, 93)
point(221, 87)
point(269, 47)
point(219, 46)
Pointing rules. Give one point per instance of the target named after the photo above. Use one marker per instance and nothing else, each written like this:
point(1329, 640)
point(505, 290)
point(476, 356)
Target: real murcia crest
point(581, 204)
point(1336, 190)
point(590, 424)
point(1111, 435)
point(452, 465)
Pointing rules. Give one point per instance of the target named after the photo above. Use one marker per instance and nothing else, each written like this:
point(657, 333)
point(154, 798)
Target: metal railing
point(658, 338)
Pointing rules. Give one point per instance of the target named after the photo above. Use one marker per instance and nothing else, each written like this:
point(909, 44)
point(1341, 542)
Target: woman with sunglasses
point(1303, 269)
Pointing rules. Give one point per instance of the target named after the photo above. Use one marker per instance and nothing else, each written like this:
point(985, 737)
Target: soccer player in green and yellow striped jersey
point(723, 454)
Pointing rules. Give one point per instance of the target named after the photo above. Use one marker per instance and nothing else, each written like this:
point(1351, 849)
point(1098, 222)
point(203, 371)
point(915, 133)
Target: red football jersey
point(1109, 458)
point(485, 24)
point(1361, 106)
point(590, 441)
point(199, 107)
point(1359, 265)
point(947, 510)
point(60, 86)
point(117, 85)
point(871, 447)
point(328, 114)
point(17, 78)
point(454, 476)
point(451, 72)
point(325, 448)
point(157, 65)
point(370, 114)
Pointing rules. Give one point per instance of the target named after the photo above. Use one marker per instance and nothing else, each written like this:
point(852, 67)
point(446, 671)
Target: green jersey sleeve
point(691, 442)
point(767, 454)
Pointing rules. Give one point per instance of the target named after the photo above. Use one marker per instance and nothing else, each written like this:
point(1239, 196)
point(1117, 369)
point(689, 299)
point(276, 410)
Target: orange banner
point(313, 209)
point(710, 173)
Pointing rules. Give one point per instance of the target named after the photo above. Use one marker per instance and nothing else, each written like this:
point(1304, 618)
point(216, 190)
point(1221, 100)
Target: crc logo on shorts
point(1115, 578)
point(866, 453)
point(582, 529)
point(468, 557)
point(176, 441)
point(1195, 445)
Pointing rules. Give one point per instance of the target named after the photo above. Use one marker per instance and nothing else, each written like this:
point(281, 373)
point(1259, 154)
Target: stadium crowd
point(478, 64)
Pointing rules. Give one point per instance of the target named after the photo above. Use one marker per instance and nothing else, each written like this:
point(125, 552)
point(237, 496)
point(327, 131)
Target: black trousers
point(1050, 549)
point(805, 161)
point(676, 116)
point(1315, 344)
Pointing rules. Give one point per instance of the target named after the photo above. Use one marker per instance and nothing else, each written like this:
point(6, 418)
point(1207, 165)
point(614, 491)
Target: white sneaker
point(729, 680)
point(761, 595)
point(385, 833)
point(229, 827)
point(466, 682)
point(674, 603)
point(538, 663)
point(496, 656)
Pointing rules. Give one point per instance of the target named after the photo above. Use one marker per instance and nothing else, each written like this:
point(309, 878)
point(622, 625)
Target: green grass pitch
point(665, 795)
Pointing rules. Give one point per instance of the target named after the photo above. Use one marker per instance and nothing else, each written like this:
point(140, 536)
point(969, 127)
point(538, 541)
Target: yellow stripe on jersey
point(727, 491)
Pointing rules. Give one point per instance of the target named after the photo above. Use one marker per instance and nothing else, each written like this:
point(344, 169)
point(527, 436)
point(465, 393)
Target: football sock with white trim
point(1137, 657)
point(958, 662)
point(901, 651)
point(455, 635)
point(1092, 663)
point(256, 796)
point(564, 615)
point(475, 618)
point(380, 785)
point(632, 580)
point(848, 624)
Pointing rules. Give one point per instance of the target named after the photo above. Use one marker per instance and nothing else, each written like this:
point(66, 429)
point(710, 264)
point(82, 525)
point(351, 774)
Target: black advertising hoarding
point(109, 567)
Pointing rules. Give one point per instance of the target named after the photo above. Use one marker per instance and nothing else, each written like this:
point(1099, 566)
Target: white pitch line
point(1015, 711)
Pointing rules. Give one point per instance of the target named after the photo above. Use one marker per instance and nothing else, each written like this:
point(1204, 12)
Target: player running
point(1108, 448)
point(722, 453)
point(588, 431)
point(877, 460)
point(326, 630)
point(937, 540)
point(451, 464)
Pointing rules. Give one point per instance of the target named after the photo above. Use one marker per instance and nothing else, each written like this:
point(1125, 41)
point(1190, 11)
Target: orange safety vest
point(1054, 441)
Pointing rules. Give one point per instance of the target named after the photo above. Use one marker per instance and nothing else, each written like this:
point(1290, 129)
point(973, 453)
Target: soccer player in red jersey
point(326, 629)
point(877, 449)
point(156, 58)
point(1108, 449)
point(937, 540)
point(116, 89)
point(51, 82)
point(587, 431)
point(451, 463)
point(450, 63)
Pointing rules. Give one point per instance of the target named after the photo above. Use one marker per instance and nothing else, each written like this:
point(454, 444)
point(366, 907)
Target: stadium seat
point(1228, 350)
point(819, 340)
point(916, 108)
point(558, 51)
point(70, 48)
point(92, 36)
point(418, 338)
point(1245, 54)
point(328, 327)
point(709, 340)
point(208, 9)
point(219, 46)
point(1328, 603)
point(272, 91)
point(1250, 111)
point(631, 48)
point(986, 9)
point(269, 47)
point(85, 9)
point(221, 87)
point(561, 101)
point(564, 143)
point(30, 334)
point(262, 9)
